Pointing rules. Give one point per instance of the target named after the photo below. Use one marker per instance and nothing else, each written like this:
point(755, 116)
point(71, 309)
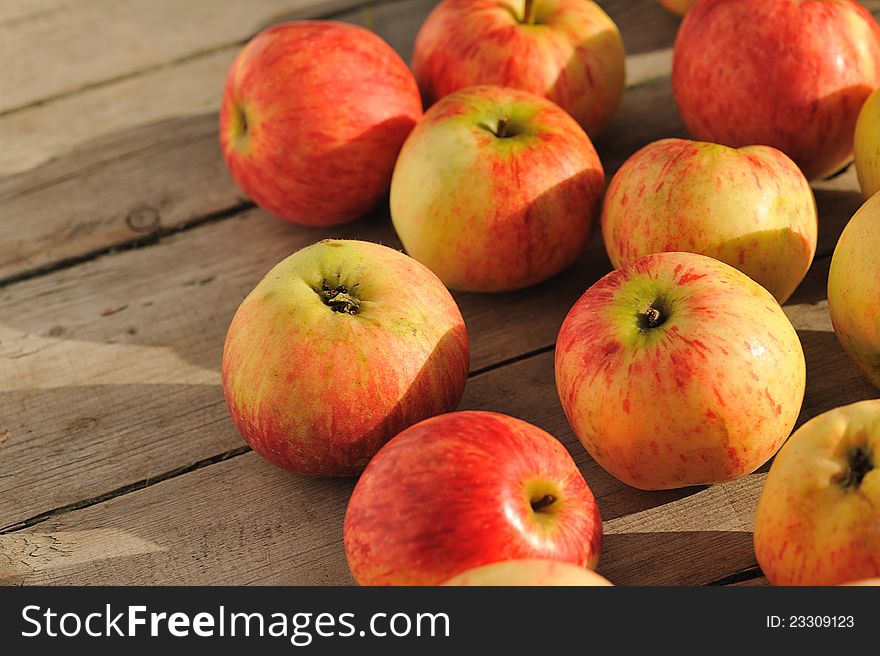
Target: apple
point(496, 189)
point(679, 370)
point(792, 74)
point(865, 582)
point(528, 572)
point(750, 207)
point(854, 287)
point(463, 490)
point(312, 118)
point(340, 347)
point(679, 7)
point(818, 518)
point(567, 50)
point(867, 145)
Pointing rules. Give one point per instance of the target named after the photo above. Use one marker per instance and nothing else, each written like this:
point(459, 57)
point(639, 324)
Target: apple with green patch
point(496, 189)
point(340, 347)
point(749, 207)
point(528, 572)
point(464, 490)
point(313, 116)
point(679, 370)
point(818, 518)
point(854, 287)
point(567, 50)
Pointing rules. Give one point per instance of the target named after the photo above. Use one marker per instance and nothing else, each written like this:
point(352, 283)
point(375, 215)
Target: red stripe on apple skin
point(575, 56)
point(795, 80)
point(450, 494)
point(487, 213)
point(322, 138)
point(696, 385)
point(814, 524)
point(317, 391)
point(751, 208)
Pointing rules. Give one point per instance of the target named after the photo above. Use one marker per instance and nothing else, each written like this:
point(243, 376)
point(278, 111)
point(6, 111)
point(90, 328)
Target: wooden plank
point(287, 530)
point(59, 338)
point(191, 88)
point(161, 177)
point(761, 580)
point(141, 35)
point(143, 151)
point(109, 369)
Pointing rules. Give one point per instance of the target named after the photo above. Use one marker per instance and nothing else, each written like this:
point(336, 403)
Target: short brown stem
point(529, 13)
point(860, 463)
point(539, 504)
point(339, 299)
point(501, 130)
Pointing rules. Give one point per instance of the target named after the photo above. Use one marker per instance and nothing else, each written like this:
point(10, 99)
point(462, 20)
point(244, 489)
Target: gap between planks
point(212, 460)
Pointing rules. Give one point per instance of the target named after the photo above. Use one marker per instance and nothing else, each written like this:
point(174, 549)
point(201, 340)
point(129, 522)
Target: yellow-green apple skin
point(571, 52)
point(749, 207)
point(529, 572)
point(490, 206)
point(340, 347)
point(679, 370)
point(854, 287)
point(818, 518)
point(867, 145)
point(679, 7)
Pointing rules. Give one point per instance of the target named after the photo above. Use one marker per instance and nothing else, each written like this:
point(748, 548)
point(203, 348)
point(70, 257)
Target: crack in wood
point(151, 239)
point(206, 52)
point(126, 489)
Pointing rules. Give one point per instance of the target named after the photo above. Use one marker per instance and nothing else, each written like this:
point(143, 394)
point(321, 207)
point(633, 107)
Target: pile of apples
point(678, 368)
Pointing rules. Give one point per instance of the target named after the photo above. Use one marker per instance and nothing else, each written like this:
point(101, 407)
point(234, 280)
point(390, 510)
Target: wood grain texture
point(91, 42)
point(140, 156)
point(287, 530)
point(109, 369)
point(192, 87)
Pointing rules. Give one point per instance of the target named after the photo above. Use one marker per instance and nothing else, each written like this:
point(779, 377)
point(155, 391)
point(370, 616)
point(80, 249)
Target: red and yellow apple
point(679, 7)
point(791, 74)
point(313, 116)
point(866, 146)
point(854, 287)
point(464, 490)
point(496, 189)
point(818, 518)
point(567, 50)
point(528, 572)
point(750, 207)
point(679, 370)
point(340, 347)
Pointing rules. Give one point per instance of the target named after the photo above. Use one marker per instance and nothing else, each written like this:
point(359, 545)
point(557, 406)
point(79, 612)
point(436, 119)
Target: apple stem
point(339, 298)
point(543, 502)
point(860, 463)
point(652, 316)
point(501, 130)
point(529, 13)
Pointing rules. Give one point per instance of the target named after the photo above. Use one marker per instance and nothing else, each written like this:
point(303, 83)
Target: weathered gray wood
point(53, 48)
point(146, 147)
point(283, 529)
point(107, 368)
